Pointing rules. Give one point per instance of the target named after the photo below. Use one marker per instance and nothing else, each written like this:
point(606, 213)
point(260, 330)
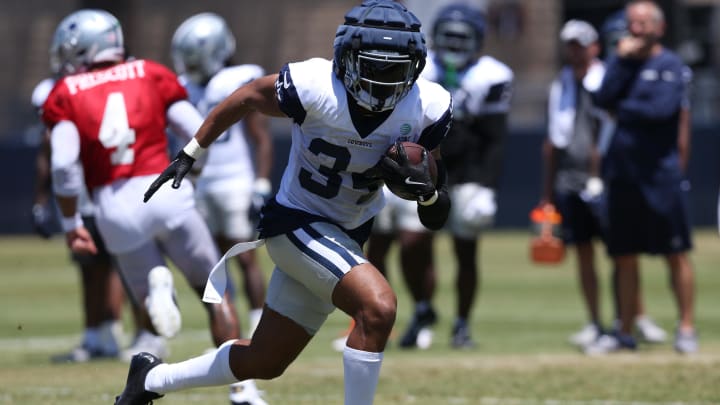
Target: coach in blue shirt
point(645, 87)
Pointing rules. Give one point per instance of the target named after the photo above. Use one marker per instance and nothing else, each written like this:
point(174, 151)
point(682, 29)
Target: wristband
point(425, 201)
point(71, 223)
point(262, 186)
point(193, 149)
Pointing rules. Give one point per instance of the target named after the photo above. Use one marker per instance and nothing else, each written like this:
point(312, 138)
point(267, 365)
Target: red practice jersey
point(120, 113)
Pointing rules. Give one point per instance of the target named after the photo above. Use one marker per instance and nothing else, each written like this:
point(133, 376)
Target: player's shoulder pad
point(312, 79)
point(488, 72)
point(230, 78)
point(434, 98)
point(431, 71)
point(41, 92)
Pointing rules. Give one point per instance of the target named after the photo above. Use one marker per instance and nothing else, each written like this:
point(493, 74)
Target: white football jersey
point(328, 156)
point(483, 88)
point(229, 156)
point(39, 95)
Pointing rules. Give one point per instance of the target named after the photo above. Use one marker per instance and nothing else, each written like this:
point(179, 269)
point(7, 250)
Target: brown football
point(414, 155)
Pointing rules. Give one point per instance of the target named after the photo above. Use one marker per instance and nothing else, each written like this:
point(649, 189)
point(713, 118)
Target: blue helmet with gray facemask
point(379, 52)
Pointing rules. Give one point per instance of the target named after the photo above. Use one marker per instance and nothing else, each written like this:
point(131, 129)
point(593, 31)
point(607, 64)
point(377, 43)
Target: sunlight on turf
point(522, 319)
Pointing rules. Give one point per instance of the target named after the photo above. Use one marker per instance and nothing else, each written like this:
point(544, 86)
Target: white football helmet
point(201, 46)
point(85, 38)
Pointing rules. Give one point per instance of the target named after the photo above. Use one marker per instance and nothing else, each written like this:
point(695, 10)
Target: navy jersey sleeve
point(288, 98)
point(431, 136)
point(618, 77)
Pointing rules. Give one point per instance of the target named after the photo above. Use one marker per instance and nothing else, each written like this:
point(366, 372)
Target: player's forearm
point(67, 177)
point(42, 172)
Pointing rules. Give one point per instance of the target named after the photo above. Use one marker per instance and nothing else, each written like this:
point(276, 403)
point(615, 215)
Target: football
point(414, 155)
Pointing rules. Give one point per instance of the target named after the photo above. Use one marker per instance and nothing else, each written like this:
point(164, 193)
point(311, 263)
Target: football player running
point(481, 89)
point(346, 113)
point(229, 191)
point(107, 118)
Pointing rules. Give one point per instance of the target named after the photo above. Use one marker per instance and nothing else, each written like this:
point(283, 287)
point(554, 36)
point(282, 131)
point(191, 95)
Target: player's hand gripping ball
point(409, 171)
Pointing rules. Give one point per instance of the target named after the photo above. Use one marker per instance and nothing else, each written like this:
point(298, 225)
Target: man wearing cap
point(571, 159)
point(645, 87)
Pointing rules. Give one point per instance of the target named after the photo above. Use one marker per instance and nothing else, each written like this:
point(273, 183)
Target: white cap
point(580, 31)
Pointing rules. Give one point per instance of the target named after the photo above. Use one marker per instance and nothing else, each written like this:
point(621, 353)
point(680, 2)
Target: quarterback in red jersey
point(108, 118)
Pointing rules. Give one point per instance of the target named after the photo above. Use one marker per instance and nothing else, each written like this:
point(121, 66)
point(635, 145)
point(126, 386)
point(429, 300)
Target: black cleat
point(461, 338)
point(134, 392)
point(421, 320)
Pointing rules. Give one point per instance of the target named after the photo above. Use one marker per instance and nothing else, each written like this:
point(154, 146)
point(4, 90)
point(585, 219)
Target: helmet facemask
point(378, 79)
point(456, 43)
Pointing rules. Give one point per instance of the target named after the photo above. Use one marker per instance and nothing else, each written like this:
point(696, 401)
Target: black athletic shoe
point(134, 392)
point(421, 320)
point(461, 338)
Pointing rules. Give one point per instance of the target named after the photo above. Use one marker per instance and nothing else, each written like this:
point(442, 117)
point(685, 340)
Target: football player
point(229, 190)
point(107, 118)
point(481, 91)
point(102, 290)
point(346, 113)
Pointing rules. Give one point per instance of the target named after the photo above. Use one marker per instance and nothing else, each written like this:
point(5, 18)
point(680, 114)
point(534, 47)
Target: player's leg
point(683, 285)
point(102, 301)
point(225, 205)
point(579, 227)
point(466, 285)
point(294, 312)
point(191, 248)
point(135, 266)
point(416, 262)
point(332, 265)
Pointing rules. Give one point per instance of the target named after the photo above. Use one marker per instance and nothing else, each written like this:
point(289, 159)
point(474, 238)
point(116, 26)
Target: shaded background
point(521, 33)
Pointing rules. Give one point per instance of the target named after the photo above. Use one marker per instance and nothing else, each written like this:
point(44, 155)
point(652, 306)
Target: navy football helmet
point(85, 38)
point(458, 33)
point(379, 52)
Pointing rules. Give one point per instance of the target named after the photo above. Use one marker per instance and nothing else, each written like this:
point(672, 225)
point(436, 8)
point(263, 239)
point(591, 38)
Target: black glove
point(43, 220)
point(405, 178)
point(178, 168)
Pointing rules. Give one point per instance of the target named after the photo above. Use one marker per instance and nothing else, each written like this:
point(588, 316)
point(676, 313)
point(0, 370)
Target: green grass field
point(522, 320)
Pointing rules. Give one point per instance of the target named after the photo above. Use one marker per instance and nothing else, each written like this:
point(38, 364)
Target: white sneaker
point(160, 302)
point(649, 330)
point(686, 342)
point(424, 338)
point(146, 342)
point(246, 393)
point(588, 334)
point(602, 345)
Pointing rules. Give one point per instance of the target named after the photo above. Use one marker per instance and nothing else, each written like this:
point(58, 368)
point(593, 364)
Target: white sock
point(362, 371)
point(202, 371)
point(253, 321)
